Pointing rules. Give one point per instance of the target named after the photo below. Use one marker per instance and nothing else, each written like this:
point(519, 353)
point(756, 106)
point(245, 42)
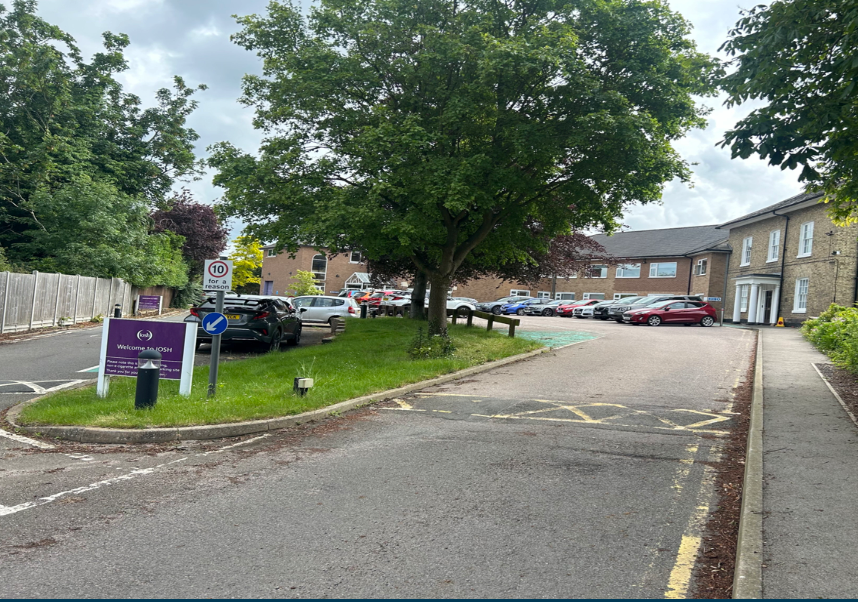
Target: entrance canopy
point(358, 280)
point(774, 279)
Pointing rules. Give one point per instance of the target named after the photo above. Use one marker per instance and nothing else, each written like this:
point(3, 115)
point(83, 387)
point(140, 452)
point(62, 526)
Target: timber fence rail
point(41, 300)
point(462, 312)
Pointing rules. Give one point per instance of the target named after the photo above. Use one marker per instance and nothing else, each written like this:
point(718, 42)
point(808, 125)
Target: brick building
point(331, 273)
point(789, 260)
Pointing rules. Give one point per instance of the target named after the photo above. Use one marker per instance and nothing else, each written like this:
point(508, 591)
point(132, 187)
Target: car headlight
point(643, 313)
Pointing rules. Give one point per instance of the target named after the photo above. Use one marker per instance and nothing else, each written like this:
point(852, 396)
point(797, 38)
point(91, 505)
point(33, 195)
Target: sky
point(190, 38)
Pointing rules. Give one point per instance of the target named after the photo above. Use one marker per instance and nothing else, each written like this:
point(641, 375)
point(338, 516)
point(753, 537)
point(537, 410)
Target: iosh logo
point(144, 335)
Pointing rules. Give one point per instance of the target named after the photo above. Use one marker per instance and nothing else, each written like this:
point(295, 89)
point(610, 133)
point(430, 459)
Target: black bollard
point(148, 373)
point(363, 311)
point(117, 311)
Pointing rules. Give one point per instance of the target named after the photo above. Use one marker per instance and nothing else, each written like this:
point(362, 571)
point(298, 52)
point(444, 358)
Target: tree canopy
point(450, 133)
point(68, 128)
point(246, 264)
point(204, 235)
point(798, 57)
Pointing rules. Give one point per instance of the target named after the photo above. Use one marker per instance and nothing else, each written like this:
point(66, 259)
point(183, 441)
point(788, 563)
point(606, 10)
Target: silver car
point(321, 308)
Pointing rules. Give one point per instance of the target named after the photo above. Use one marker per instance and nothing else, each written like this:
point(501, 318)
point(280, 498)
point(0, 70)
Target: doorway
point(767, 308)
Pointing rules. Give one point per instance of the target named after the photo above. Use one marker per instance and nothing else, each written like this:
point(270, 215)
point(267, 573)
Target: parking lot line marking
point(677, 585)
point(245, 442)
point(27, 440)
point(93, 369)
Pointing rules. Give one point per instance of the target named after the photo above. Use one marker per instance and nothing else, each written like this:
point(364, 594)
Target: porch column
point(737, 305)
point(753, 301)
point(776, 298)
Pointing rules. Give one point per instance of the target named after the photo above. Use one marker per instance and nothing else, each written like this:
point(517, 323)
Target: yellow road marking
point(680, 576)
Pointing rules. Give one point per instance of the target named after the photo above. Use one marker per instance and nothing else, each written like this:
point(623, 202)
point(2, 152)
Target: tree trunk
point(438, 304)
point(418, 296)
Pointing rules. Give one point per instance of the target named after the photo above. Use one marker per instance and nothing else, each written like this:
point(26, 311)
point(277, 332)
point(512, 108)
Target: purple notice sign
point(127, 338)
point(148, 303)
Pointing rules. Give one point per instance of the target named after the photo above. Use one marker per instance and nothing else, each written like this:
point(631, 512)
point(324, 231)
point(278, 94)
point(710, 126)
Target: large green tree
point(67, 125)
point(437, 131)
point(799, 58)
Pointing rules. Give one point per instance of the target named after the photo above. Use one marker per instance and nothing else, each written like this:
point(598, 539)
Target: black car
point(616, 311)
point(266, 320)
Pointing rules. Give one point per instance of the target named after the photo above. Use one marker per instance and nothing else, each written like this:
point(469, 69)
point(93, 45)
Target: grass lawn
point(369, 357)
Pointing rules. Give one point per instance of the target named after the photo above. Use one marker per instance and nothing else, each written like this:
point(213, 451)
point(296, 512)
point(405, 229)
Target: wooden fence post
point(512, 325)
point(5, 302)
point(76, 297)
point(57, 304)
point(35, 289)
point(491, 323)
point(94, 298)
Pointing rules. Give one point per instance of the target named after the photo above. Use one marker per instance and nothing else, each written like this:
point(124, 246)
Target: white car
point(321, 308)
point(452, 303)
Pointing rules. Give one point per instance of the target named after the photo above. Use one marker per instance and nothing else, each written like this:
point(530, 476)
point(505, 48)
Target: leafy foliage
point(798, 56)
point(188, 295)
point(247, 265)
point(431, 347)
point(66, 126)
point(5, 266)
point(835, 333)
point(204, 235)
point(304, 283)
point(442, 132)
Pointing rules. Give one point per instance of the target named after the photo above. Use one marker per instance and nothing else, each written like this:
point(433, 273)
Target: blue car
point(517, 307)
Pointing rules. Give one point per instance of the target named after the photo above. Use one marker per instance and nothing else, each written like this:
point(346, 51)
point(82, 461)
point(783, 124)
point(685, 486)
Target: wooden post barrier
point(490, 319)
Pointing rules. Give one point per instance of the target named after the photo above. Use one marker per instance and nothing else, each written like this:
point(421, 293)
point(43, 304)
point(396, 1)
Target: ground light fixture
point(302, 385)
point(148, 374)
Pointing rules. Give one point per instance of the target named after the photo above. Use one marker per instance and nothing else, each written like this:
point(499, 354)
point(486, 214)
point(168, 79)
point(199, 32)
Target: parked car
point(517, 307)
point(351, 293)
point(321, 308)
point(673, 312)
point(473, 302)
point(545, 307)
point(602, 310)
point(495, 306)
point(265, 319)
point(617, 311)
point(404, 301)
point(566, 310)
point(589, 311)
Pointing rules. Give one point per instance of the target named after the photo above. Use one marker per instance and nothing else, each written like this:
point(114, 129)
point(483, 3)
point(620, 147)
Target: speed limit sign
point(217, 275)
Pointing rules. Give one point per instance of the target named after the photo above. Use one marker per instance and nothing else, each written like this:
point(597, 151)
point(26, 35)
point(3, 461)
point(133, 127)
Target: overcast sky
point(190, 38)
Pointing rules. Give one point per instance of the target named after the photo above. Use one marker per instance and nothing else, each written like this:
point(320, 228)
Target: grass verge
point(369, 357)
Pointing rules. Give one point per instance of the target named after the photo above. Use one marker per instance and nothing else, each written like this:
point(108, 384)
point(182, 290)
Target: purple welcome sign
point(148, 303)
point(127, 338)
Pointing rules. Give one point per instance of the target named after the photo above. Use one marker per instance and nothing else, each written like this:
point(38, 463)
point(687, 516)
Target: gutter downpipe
point(726, 279)
point(783, 261)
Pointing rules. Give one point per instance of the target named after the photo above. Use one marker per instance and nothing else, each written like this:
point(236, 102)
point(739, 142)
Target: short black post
point(363, 311)
point(148, 373)
point(117, 311)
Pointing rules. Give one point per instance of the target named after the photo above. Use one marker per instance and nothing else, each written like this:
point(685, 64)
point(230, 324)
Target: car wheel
point(547, 312)
point(620, 321)
point(197, 345)
point(602, 318)
point(707, 321)
point(654, 321)
point(519, 312)
point(296, 340)
point(496, 310)
point(274, 345)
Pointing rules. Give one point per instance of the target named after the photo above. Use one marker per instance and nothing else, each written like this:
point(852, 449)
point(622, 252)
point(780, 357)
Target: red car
point(673, 312)
point(565, 311)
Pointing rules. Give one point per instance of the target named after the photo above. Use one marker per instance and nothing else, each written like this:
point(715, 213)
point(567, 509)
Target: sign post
point(217, 276)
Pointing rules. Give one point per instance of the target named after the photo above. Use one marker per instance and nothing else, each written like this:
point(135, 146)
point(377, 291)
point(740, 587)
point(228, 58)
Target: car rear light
point(351, 309)
point(195, 311)
point(261, 315)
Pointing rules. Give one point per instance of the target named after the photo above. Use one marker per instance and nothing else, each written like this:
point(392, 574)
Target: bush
point(835, 333)
point(187, 295)
point(426, 347)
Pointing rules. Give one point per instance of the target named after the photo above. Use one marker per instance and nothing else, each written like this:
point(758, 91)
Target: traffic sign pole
point(215, 349)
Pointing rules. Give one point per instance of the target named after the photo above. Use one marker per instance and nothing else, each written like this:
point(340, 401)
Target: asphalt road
point(579, 473)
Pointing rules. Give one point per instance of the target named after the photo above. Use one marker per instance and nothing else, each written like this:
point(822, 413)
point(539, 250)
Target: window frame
point(774, 245)
point(653, 269)
point(804, 240)
point(796, 308)
point(622, 268)
point(562, 296)
point(271, 253)
point(702, 267)
point(744, 294)
point(747, 246)
point(515, 292)
point(587, 296)
point(324, 274)
point(603, 271)
point(618, 296)
point(352, 257)
point(543, 295)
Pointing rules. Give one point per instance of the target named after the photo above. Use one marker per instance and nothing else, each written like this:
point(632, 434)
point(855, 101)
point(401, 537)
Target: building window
point(355, 257)
point(629, 270)
point(805, 241)
point(319, 267)
point(774, 245)
point(268, 287)
point(272, 253)
point(564, 296)
point(743, 298)
point(597, 271)
point(746, 251)
point(519, 293)
point(662, 270)
point(594, 296)
point(543, 295)
point(799, 306)
point(700, 268)
point(624, 295)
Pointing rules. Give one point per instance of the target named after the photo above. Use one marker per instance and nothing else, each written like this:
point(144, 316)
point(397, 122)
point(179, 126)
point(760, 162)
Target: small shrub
point(835, 333)
point(97, 319)
point(424, 347)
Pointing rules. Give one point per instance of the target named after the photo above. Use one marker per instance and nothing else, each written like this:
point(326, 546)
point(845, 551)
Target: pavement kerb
point(748, 575)
point(83, 434)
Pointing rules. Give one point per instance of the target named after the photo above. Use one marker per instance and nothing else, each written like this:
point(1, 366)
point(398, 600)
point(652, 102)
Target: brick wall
point(282, 268)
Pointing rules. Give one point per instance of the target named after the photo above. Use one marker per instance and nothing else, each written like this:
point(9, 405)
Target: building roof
point(666, 242)
point(798, 199)
point(358, 278)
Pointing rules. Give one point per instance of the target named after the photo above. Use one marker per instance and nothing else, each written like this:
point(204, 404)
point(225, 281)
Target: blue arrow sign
point(215, 323)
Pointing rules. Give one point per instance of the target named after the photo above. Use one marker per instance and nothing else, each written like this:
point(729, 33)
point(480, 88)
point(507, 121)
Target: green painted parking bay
point(556, 339)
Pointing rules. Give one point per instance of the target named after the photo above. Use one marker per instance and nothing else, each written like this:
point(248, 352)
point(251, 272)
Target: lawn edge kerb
point(85, 434)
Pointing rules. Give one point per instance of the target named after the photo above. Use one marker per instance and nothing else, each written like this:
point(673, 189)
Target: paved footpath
point(810, 470)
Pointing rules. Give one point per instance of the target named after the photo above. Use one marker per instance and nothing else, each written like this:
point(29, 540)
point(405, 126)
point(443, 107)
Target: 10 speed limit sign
point(217, 275)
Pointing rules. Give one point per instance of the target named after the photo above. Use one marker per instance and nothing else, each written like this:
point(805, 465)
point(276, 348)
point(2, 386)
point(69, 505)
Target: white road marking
point(217, 451)
point(27, 440)
point(40, 390)
point(92, 369)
